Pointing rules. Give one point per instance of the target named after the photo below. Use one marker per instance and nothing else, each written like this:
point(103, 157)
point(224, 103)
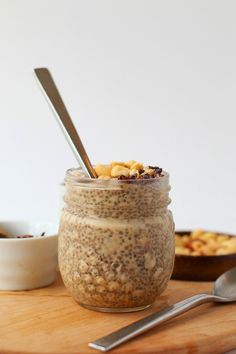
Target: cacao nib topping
point(158, 170)
point(135, 176)
point(145, 176)
point(122, 177)
point(24, 236)
point(20, 236)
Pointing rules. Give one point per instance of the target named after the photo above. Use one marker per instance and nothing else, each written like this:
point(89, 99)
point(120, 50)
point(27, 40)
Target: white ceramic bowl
point(28, 263)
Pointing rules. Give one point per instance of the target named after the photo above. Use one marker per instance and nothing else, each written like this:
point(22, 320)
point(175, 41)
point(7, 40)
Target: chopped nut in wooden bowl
point(203, 255)
point(204, 243)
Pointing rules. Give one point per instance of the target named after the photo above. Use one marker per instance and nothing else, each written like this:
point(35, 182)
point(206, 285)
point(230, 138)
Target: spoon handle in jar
point(56, 103)
point(126, 333)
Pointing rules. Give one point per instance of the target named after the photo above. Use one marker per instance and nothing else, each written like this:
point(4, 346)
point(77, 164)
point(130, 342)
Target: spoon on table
point(55, 101)
point(224, 290)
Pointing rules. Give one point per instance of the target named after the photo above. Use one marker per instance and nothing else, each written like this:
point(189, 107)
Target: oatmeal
point(116, 238)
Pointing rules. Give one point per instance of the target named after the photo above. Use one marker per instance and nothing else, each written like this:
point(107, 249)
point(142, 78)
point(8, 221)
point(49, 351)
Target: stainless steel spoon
point(55, 101)
point(224, 291)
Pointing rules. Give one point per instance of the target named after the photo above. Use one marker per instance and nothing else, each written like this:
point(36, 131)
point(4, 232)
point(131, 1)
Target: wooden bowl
point(201, 268)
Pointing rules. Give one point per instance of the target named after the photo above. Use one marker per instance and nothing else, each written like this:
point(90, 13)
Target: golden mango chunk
point(130, 163)
point(118, 171)
point(137, 166)
point(114, 163)
point(102, 170)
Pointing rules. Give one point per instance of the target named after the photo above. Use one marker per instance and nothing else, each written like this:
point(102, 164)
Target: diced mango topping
point(102, 170)
point(127, 170)
point(137, 166)
point(118, 170)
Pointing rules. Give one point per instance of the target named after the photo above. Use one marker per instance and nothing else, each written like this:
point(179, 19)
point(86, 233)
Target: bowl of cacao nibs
point(28, 254)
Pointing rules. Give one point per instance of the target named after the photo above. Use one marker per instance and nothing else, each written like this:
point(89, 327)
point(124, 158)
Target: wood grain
point(49, 321)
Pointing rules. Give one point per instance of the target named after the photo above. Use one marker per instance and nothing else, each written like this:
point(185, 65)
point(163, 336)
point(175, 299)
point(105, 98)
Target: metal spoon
point(55, 101)
point(224, 291)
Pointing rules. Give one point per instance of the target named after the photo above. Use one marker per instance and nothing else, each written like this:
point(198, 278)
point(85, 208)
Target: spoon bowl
point(225, 285)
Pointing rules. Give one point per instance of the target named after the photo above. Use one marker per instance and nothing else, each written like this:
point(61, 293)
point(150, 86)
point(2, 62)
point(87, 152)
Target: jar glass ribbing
point(116, 241)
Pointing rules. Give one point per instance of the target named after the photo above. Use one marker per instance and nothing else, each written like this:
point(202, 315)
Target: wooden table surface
point(48, 320)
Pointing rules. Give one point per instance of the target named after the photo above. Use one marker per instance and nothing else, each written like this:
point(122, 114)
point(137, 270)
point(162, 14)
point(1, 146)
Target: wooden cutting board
point(49, 321)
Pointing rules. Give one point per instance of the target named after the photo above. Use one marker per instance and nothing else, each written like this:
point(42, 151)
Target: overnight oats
point(116, 237)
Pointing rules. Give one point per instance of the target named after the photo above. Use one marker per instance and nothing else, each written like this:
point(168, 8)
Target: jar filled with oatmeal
point(116, 241)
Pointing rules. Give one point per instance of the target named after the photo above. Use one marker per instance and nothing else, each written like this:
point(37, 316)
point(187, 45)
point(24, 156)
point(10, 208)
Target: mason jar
point(116, 241)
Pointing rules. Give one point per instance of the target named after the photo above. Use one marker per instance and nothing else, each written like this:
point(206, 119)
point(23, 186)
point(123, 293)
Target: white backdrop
point(148, 80)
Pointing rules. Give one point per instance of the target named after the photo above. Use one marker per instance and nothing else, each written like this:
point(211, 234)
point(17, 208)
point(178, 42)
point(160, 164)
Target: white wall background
point(148, 80)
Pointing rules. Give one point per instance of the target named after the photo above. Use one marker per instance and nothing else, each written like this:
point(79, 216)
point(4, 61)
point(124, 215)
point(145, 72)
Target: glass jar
point(116, 241)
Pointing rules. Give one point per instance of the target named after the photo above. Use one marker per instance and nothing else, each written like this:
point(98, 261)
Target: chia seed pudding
point(116, 241)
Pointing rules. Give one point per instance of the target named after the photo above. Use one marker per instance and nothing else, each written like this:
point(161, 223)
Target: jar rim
point(72, 175)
